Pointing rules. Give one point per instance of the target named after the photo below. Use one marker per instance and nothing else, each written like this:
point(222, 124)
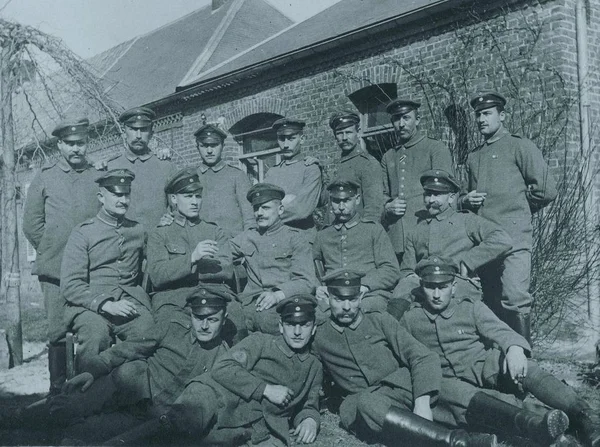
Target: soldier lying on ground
point(460, 329)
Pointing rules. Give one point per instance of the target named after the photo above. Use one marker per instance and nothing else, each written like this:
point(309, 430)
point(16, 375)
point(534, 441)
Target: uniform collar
point(443, 215)
point(353, 326)
point(418, 136)
point(181, 220)
point(216, 168)
point(108, 219)
point(351, 223)
point(66, 167)
point(355, 152)
point(500, 133)
point(295, 159)
point(133, 157)
point(274, 228)
point(289, 352)
point(445, 314)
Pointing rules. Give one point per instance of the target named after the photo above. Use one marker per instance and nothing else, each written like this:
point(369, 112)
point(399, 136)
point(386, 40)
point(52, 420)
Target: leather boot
point(586, 422)
point(57, 366)
point(496, 415)
point(402, 427)
point(142, 432)
point(520, 323)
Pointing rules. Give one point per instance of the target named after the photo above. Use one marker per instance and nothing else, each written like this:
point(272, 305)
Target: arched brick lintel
point(246, 107)
point(380, 74)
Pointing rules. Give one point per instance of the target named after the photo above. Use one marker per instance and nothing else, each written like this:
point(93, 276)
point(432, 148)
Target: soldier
point(276, 257)
point(356, 163)
point(461, 330)
point(224, 187)
point(354, 243)
point(511, 171)
point(148, 203)
point(126, 385)
point(463, 236)
point(402, 166)
point(101, 272)
point(59, 197)
point(388, 379)
point(300, 178)
point(261, 385)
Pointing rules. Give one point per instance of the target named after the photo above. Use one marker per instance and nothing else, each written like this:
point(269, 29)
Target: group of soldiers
point(207, 307)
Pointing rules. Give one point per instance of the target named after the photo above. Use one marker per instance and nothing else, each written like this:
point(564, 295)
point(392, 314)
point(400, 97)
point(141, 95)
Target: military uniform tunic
point(363, 247)
point(513, 173)
point(102, 262)
point(364, 169)
point(58, 199)
point(376, 363)
point(233, 392)
point(402, 168)
point(148, 201)
point(294, 177)
point(224, 202)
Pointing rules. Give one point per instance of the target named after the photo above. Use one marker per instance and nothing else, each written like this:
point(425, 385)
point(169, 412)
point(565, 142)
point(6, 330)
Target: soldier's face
point(290, 145)
point(437, 202)
point(188, 204)
point(268, 214)
point(114, 203)
point(208, 327)
point(73, 151)
point(347, 138)
point(345, 309)
point(297, 335)
point(344, 208)
point(437, 295)
point(489, 121)
point(406, 124)
point(210, 152)
point(138, 138)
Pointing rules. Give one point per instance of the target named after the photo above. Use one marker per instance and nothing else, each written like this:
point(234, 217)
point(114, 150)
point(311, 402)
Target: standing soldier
point(357, 164)
point(508, 180)
point(402, 166)
point(224, 187)
point(300, 179)
point(62, 195)
point(147, 195)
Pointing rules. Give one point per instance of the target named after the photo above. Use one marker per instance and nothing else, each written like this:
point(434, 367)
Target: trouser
point(95, 333)
point(55, 309)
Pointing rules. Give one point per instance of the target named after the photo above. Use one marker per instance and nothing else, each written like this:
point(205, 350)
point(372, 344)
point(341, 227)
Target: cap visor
point(74, 137)
point(297, 318)
point(344, 291)
point(437, 279)
point(204, 311)
point(119, 189)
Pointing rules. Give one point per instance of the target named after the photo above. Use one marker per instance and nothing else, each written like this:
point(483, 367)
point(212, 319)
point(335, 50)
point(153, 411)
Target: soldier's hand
point(306, 431)
point(278, 394)
point(322, 293)
point(205, 249)
point(122, 308)
point(474, 199)
point(266, 300)
point(166, 220)
point(515, 363)
point(310, 160)
point(101, 165)
point(397, 207)
point(80, 382)
point(163, 153)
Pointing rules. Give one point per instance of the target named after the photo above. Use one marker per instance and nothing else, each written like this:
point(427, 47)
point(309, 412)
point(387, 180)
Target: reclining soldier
point(459, 329)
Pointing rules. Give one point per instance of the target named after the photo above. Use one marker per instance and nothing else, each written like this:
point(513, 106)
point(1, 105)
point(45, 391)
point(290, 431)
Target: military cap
point(343, 119)
point(436, 270)
point(343, 187)
point(343, 282)
point(184, 181)
point(486, 100)
point(72, 130)
point(439, 180)
point(137, 117)
point(208, 299)
point(297, 309)
point(288, 126)
point(263, 193)
point(117, 181)
point(210, 134)
point(401, 106)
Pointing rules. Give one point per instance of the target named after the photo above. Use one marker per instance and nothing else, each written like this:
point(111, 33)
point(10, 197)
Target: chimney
point(216, 4)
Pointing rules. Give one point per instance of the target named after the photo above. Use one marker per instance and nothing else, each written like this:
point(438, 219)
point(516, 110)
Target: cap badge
point(295, 300)
point(191, 180)
point(297, 309)
point(437, 172)
point(435, 179)
point(346, 282)
point(480, 98)
point(203, 292)
point(139, 117)
point(203, 301)
point(122, 180)
point(341, 188)
point(73, 129)
point(437, 269)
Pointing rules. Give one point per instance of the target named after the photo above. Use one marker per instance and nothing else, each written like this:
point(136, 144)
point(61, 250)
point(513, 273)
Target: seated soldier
point(462, 338)
point(101, 273)
point(124, 386)
point(354, 243)
point(256, 389)
point(277, 259)
point(442, 231)
point(388, 379)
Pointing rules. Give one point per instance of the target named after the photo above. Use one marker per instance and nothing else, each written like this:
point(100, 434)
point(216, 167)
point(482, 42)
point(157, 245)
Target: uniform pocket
point(176, 249)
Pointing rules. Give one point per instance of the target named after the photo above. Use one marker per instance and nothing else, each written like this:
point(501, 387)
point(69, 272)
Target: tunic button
point(403, 170)
point(401, 178)
point(401, 186)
